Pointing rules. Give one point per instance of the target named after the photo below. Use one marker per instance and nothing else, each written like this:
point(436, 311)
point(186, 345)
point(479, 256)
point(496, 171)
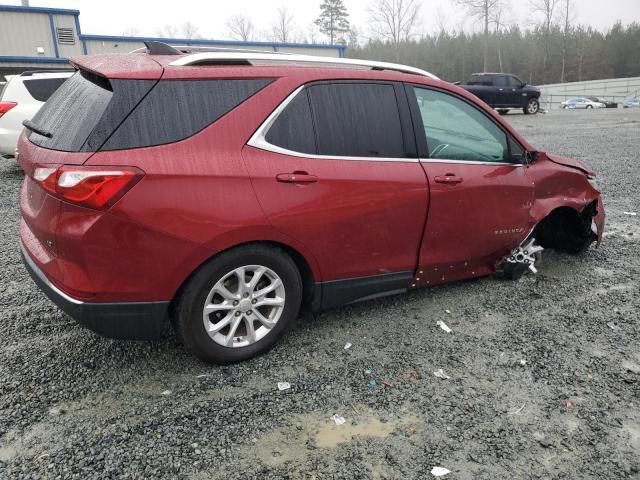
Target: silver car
point(631, 102)
point(581, 102)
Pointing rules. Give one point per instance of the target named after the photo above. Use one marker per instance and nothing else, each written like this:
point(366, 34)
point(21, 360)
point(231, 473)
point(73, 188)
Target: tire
point(533, 106)
point(589, 107)
point(221, 274)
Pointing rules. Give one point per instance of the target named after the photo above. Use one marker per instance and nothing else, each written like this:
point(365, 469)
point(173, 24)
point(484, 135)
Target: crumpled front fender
point(598, 219)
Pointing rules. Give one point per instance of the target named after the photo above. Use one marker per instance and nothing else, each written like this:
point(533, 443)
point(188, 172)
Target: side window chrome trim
point(258, 140)
point(469, 162)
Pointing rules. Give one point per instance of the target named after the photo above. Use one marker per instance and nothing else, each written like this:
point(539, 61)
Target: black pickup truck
point(503, 91)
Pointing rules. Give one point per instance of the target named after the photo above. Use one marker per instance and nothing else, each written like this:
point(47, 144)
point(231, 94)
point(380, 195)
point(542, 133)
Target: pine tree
point(332, 20)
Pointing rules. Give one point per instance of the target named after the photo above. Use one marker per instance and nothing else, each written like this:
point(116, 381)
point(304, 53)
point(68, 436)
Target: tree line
point(555, 49)
point(535, 56)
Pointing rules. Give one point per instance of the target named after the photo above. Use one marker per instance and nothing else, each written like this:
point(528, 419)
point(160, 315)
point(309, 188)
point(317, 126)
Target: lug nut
point(254, 301)
point(246, 294)
point(235, 302)
point(237, 314)
point(248, 312)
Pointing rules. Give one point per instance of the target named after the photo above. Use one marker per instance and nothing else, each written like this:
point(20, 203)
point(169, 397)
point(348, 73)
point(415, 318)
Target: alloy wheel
point(243, 306)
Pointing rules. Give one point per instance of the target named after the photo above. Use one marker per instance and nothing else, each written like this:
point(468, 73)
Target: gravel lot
point(544, 372)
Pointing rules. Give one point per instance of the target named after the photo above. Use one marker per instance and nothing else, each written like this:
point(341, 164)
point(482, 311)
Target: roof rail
point(258, 58)
point(199, 48)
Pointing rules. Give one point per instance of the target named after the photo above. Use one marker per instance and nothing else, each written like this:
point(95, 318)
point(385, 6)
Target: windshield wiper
point(35, 128)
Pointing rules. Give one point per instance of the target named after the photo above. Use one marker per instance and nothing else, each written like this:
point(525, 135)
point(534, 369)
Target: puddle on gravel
point(329, 435)
point(633, 432)
point(289, 443)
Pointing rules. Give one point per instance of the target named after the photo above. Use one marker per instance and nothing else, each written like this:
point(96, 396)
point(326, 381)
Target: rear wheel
point(239, 304)
point(589, 107)
point(532, 107)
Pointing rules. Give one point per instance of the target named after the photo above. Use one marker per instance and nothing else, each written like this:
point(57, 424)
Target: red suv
point(225, 191)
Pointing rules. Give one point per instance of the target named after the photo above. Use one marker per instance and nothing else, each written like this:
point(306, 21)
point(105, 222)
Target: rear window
point(72, 112)
point(91, 113)
point(42, 88)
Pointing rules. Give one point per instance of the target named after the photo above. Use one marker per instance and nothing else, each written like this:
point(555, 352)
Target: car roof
point(144, 66)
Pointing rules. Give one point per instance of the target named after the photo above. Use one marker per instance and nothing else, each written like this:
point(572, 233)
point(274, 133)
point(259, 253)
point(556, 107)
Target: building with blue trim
point(44, 38)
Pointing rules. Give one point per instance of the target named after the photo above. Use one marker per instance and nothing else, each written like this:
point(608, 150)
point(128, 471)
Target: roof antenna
point(160, 48)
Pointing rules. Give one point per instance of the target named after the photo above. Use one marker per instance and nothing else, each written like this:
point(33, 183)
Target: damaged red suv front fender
point(561, 182)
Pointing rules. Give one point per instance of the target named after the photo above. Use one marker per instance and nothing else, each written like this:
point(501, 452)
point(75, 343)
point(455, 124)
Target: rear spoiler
point(119, 66)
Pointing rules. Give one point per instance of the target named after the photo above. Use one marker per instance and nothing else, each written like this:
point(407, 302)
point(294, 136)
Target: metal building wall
point(25, 29)
point(68, 21)
point(21, 34)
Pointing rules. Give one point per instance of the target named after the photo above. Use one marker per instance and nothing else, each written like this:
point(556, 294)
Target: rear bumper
point(131, 321)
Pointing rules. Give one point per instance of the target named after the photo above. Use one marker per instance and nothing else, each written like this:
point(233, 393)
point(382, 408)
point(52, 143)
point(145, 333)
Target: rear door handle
point(448, 178)
point(296, 177)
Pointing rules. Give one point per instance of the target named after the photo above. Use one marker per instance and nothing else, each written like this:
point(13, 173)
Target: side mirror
point(524, 84)
point(530, 157)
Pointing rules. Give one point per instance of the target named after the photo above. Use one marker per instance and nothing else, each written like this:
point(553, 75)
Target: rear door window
point(357, 120)
point(42, 88)
point(501, 81)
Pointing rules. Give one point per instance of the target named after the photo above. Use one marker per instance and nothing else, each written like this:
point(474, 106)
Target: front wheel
point(589, 107)
point(239, 304)
point(532, 107)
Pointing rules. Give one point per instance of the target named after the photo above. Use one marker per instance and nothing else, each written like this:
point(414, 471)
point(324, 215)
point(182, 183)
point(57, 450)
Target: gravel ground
point(544, 372)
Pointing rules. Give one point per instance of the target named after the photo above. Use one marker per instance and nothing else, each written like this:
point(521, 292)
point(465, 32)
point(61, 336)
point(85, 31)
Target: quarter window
point(455, 130)
point(177, 109)
point(293, 129)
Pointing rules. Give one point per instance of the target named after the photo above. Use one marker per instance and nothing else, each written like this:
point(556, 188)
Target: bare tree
point(354, 37)
point(130, 32)
point(441, 21)
point(568, 17)
point(240, 27)
point(394, 20)
point(547, 9)
point(168, 31)
point(314, 33)
point(483, 10)
point(189, 30)
point(498, 22)
point(283, 26)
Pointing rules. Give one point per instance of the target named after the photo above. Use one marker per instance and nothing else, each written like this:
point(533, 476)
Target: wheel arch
point(566, 229)
point(309, 277)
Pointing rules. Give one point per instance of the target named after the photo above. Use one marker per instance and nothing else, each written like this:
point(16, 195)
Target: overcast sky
point(146, 17)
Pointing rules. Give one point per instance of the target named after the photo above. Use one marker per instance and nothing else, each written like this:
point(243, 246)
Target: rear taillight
point(92, 187)
point(6, 106)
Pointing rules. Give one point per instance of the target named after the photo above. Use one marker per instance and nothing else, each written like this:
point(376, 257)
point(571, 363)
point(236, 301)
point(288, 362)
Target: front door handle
point(449, 178)
point(296, 177)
